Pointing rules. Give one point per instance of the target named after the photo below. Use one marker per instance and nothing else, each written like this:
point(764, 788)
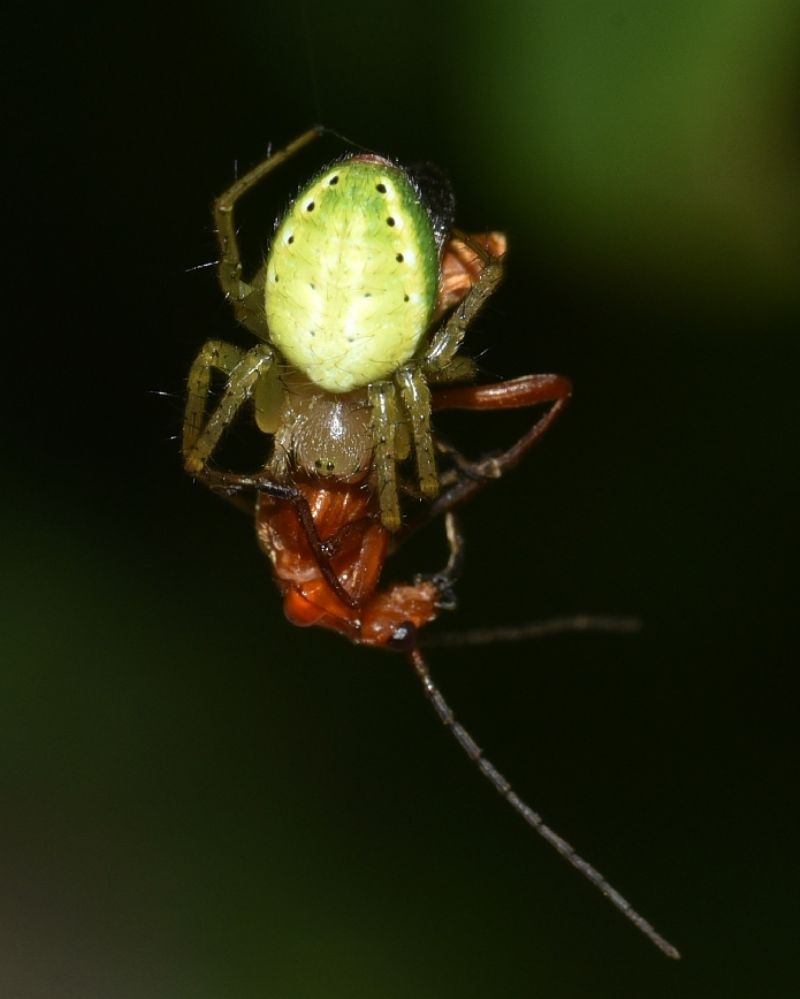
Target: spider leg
point(446, 341)
point(465, 256)
point(416, 399)
point(246, 297)
point(519, 393)
point(243, 368)
point(382, 397)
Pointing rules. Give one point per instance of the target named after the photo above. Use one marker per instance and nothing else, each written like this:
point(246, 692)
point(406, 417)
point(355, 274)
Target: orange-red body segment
point(347, 521)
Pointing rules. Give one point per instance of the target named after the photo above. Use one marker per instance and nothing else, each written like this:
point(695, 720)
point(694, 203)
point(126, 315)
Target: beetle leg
point(519, 393)
point(446, 578)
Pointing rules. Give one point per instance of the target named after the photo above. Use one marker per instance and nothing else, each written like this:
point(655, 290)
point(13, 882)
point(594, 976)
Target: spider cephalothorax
point(348, 309)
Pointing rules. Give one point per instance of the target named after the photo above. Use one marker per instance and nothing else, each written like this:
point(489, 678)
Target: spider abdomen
point(352, 275)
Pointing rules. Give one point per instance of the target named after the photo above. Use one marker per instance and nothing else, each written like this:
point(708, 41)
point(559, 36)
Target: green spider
point(343, 310)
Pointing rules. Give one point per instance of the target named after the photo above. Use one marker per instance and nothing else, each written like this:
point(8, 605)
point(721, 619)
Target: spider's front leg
point(243, 369)
point(247, 297)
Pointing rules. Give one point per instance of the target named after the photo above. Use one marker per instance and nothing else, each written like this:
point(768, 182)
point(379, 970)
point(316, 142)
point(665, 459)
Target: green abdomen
point(352, 275)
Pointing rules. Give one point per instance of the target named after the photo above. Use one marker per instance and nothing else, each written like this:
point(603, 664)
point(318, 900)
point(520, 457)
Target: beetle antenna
point(502, 786)
point(534, 629)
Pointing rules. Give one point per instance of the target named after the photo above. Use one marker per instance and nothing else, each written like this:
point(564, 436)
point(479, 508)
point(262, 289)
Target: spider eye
point(403, 638)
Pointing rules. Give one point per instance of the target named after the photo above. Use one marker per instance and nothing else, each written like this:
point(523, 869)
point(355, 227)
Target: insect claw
point(445, 594)
point(446, 600)
point(485, 470)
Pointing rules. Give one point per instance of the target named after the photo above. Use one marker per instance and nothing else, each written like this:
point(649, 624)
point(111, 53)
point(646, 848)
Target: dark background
point(200, 801)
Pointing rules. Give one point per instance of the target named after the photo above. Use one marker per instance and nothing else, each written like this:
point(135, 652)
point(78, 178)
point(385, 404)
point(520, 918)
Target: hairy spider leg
point(415, 397)
point(446, 341)
point(382, 398)
point(246, 298)
point(464, 260)
point(534, 820)
point(243, 369)
point(470, 275)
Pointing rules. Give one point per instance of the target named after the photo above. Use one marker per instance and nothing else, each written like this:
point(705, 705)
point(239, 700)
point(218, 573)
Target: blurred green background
point(200, 801)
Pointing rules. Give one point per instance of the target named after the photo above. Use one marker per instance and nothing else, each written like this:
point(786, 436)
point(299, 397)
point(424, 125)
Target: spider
point(362, 303)
point(361, 306)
